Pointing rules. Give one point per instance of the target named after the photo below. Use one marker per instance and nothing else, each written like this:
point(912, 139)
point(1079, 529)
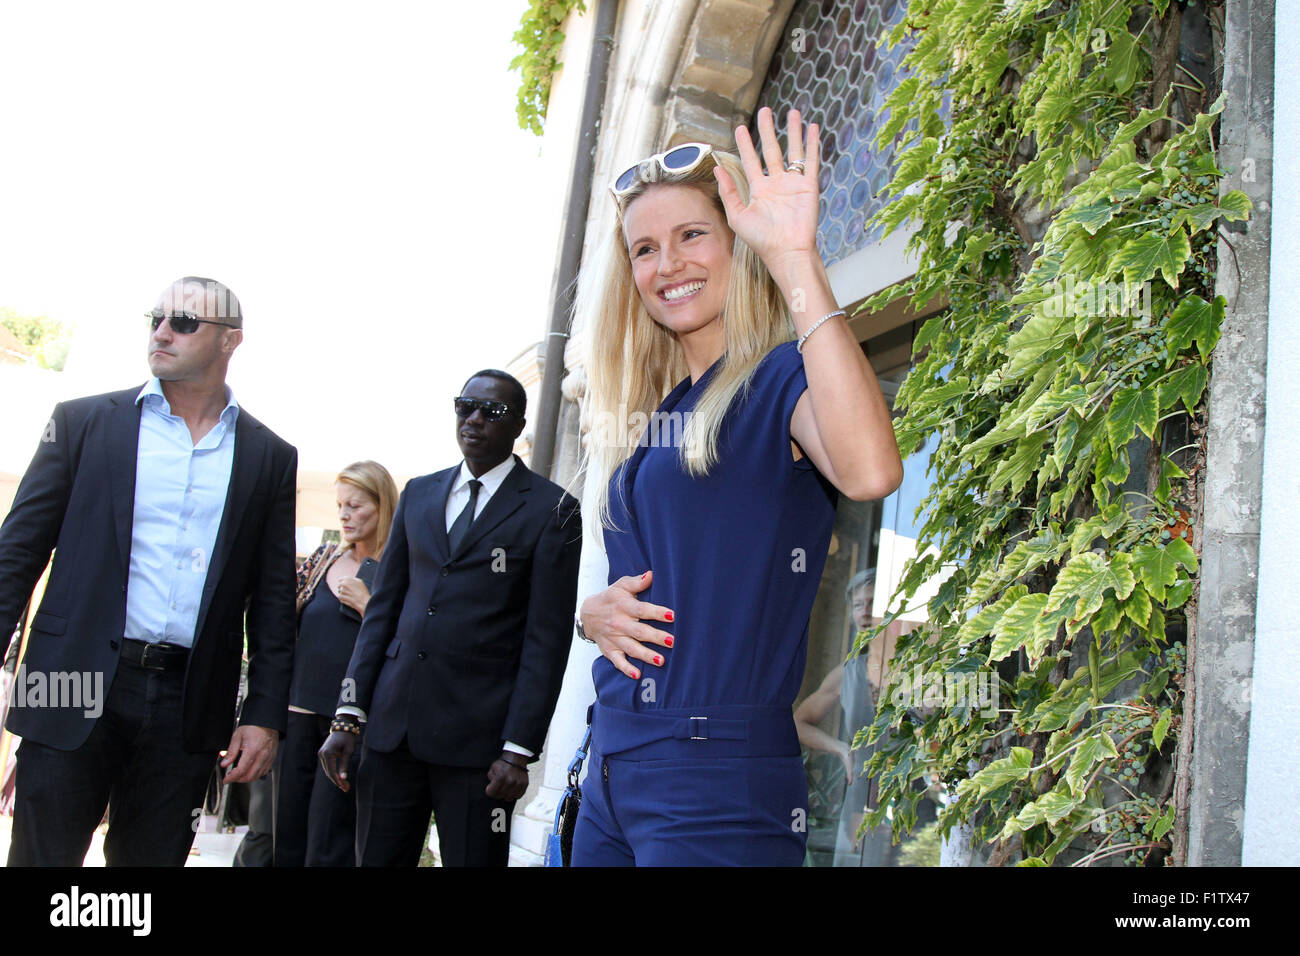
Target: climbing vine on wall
point(1068, 208)
point(540, 35)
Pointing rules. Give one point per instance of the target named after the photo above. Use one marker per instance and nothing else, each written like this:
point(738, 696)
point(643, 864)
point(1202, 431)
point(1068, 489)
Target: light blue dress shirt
point(180, 497)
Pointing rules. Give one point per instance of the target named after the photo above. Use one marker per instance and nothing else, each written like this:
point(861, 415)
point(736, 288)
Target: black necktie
point(466, 518)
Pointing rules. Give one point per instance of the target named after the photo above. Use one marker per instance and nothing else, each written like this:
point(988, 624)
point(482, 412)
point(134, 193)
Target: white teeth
point(682, 291)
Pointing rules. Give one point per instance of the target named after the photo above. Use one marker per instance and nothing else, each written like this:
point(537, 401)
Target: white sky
point(355, 173)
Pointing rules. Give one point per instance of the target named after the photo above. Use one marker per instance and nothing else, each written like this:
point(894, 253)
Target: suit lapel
point(509, 498)
point(251, 449)
point(438, 495)
point(124, 447)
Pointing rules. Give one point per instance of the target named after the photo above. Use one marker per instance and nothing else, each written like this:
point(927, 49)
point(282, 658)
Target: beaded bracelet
point(817, 325)
point(348, 725)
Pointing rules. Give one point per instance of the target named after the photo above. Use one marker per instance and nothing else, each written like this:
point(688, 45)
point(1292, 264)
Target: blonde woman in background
point(716, 537)
point(315, 821)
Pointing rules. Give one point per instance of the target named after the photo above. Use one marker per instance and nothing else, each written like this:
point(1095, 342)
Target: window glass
point(870, 545)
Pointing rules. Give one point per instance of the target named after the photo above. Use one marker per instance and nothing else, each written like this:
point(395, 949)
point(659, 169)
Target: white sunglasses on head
point(679, 159)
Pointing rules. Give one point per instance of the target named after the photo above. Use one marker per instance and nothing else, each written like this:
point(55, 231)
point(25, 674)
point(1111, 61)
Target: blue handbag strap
point(575, 765)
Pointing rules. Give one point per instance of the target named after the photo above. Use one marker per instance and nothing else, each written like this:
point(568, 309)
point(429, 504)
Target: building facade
point(693, 70)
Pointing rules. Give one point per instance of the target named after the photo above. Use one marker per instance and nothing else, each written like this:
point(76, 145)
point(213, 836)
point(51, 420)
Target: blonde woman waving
point(717, 297)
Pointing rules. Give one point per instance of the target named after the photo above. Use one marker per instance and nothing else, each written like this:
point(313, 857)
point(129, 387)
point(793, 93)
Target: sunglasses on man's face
point(182, 323)
point(492, 411)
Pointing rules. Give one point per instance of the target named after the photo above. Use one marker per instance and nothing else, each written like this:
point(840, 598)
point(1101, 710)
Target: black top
point(326, 633)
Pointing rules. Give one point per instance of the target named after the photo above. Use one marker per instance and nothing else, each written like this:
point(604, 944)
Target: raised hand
point(780, 219)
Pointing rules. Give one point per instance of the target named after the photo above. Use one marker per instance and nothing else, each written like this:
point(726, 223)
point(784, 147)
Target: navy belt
point(720, 731)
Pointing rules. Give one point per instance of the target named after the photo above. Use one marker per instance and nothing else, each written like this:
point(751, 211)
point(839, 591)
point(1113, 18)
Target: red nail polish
point(658, 660)
point(668, 615)
point(668, 641)
point(636, 675)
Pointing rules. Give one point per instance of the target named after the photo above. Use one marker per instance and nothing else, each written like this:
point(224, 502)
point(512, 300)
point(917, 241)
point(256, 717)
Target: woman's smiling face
point(679, 245)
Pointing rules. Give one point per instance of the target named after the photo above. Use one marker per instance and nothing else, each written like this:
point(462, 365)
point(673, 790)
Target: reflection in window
point(870, 543)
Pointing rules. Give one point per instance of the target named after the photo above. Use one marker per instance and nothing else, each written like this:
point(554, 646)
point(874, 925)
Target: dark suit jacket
point(77, 498)
point(461, 652)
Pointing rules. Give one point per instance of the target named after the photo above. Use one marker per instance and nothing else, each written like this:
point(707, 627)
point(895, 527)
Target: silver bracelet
point(817, 325)
point(577, 626)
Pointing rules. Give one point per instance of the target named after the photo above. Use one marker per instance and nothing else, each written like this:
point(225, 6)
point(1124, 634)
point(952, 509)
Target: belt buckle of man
point(159, 657)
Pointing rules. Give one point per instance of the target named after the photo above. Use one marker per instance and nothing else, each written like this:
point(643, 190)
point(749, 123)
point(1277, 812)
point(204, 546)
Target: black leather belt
point(155, 657)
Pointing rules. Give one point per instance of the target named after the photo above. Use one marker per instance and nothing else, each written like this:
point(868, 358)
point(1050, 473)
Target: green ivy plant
point(1068, 211)
point(540, 35)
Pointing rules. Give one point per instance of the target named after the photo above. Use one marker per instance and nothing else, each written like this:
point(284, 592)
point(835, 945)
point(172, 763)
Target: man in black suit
point(170, 511)
point(462, 651)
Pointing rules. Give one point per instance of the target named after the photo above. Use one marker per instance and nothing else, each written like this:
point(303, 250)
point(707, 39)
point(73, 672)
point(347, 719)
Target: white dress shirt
point(459, 497)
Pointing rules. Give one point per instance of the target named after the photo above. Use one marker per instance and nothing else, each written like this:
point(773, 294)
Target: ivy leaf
point(1007, 770)
point(1160, 729)
point(1126, 182)
point(978, 244)
point(1129, 131)
point(1143, 257)
point(1050, 808)
point(1040, 334)
point(1177, 594)
point(1137, 607)
point(1200, 216)
point(1163, 824)
point(1085, 757)
point(1124, 667)
point(1045, 631)
point(1112, 466)
point(1169, 472)
point(1121, 60)
point(1016, 626)
point(1107, 618)
point(1086, 530)
point(980, 624)
point(914, 164)
point(1053, 106)
point(1020, 467)
point(1129, 408)
point(1235, 205)
point(1196, 319)
point(1158, 567)
point(1083, 582)
point(1187, 383)
point(1092, 216)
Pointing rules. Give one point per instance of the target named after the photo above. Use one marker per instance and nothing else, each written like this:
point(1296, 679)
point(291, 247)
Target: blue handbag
point(559, 845)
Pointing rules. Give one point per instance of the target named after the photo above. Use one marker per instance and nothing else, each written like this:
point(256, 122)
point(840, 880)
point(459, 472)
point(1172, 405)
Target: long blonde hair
point(633, 361)
point(374, 479)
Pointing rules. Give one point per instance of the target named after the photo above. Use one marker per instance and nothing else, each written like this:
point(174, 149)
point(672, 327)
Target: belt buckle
point(158, 654)
point(699, 727)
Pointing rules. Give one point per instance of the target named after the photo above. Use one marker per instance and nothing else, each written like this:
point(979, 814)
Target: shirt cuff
point(514, 748)
point(350, 711)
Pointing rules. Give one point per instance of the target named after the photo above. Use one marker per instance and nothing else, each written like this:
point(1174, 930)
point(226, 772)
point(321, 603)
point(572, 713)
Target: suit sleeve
point(379, 625)
point(271, 617)
point(553, 595)
point(32, 527)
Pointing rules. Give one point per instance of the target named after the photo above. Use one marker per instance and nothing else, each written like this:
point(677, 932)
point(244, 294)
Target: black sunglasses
point(492, 411)
point(182, 323)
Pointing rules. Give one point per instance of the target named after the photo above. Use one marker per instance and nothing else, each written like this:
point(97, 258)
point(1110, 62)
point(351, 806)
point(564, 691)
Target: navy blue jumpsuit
point(698, 761)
